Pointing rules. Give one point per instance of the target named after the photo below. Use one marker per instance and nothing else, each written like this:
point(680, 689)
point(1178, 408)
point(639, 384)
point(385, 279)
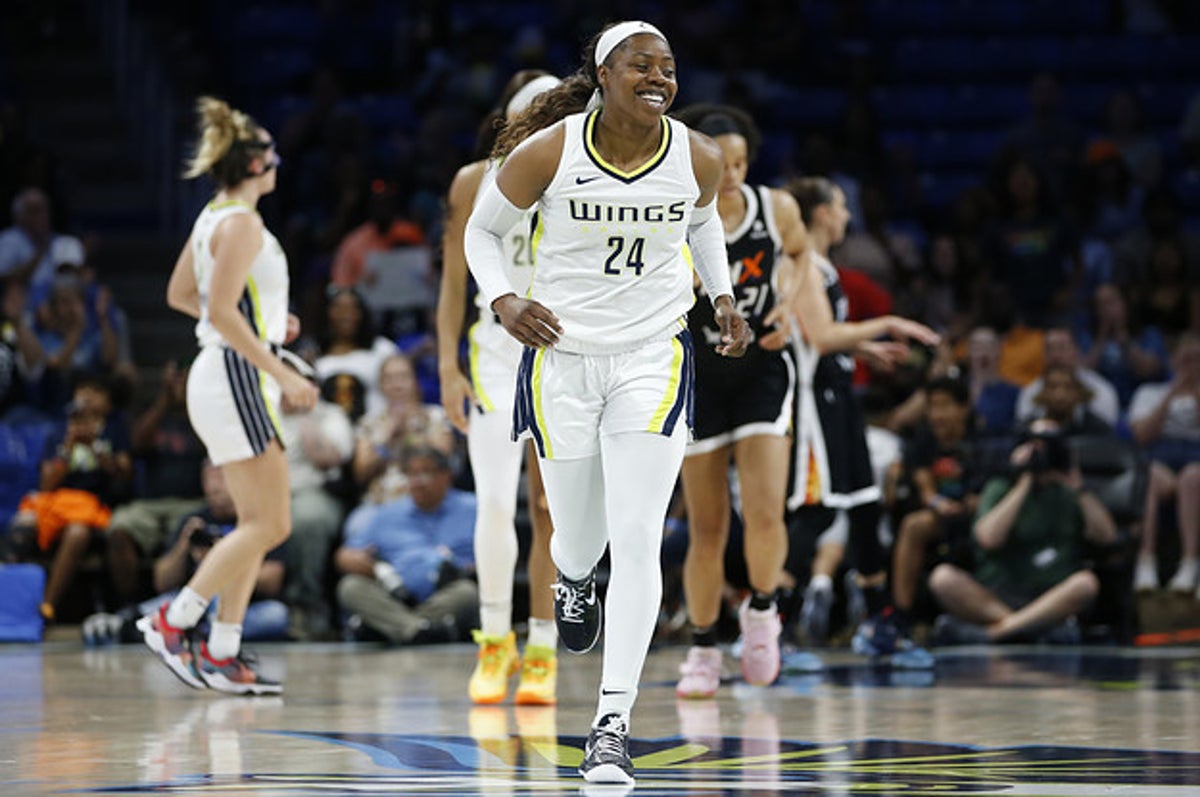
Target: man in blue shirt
point(407, 572)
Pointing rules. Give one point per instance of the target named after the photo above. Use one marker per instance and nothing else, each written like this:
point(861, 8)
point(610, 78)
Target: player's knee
point(943, 578)
point(1085, 585)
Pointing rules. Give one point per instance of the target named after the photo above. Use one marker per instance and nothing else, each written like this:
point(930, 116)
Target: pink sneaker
point(701, 672)
point(760, 644)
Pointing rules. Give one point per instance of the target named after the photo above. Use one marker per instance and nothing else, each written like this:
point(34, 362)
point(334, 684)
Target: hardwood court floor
point(361, 719)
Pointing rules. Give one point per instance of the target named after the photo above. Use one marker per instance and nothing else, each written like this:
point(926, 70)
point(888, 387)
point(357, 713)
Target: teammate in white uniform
point(481, 408)
point(232, 276)
point(604, 387)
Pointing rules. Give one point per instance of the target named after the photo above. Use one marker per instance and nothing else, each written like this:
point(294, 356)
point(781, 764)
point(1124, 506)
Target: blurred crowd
point(1065, 282)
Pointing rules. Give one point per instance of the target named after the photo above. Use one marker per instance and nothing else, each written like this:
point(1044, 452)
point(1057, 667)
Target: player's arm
point(828, 336)
point(522, 179)
point(794, 257)
point(183, 294)
point(452, 297)
point(706, 240)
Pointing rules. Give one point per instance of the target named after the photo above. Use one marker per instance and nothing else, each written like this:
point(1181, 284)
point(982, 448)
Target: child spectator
point(83, 471)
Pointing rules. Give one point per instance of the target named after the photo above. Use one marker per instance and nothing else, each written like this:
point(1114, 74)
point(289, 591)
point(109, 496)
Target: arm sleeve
point(494, 215)
point(706, 239)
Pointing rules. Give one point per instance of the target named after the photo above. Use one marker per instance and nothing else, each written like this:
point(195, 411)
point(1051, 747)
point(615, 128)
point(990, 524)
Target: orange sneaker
point(539, 677)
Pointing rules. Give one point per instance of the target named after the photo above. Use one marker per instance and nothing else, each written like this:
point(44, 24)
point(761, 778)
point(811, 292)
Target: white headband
point(619, 33)
point(527, 93)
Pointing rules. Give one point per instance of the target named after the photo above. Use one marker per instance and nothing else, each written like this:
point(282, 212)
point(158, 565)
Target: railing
point(144, 96)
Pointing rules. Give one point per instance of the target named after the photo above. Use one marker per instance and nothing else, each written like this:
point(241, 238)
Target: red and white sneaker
point(236, 675)
point(173, 645)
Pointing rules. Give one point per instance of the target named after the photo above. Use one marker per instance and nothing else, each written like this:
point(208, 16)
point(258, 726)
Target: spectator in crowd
point(993, 398)
point(1048, 136)
point(1168, 294)
point(165, 445)
point(1064, 399)
point(85, 470)
point(1124, 356)
point(384, 229)
point(30, 250)
point(1030, 245)
point(1125, 126)
point(406, 573)
point(70, 344)
point(1162, 219)
point(351, 349)
point(1061, 351)
point(1165, 420)
point(318, 443)
point(943, 293)
point(941, 469)
point(1022, 347)
point(21, 355)
point(74, 267)
point(1030, 579)
point(1112, 203)
point(383, 436)
point(192, 539)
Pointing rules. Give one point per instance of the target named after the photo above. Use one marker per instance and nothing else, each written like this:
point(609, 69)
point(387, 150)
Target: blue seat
point(21, 449)
point(944, 150)
point(384, 112)
point(274, 69)
point(910, 106)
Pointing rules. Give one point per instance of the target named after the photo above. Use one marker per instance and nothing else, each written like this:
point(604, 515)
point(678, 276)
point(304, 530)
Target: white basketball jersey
point(518, 250)
point(264, 302)
point(610, 245)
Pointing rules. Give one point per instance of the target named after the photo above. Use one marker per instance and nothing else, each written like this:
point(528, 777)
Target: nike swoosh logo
point(582, 180)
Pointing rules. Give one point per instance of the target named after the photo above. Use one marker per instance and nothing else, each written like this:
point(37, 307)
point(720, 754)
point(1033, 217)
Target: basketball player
point(832, 466)
point(495, 458)
point(743, 411)
point(232, 276)
point(605, 382)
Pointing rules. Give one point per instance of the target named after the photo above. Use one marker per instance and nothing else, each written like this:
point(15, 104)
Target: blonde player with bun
point(232, 276)
point(481, 408)
point(605, 382)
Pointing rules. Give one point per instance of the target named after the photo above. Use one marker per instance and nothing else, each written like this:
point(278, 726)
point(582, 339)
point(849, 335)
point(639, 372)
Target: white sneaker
point(1184, 579)
point(1145, 575)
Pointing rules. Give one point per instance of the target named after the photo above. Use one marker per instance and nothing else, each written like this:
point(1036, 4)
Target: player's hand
point(529, 322)
point(735, 332)
point(299, 393)
point(781, 321)
point(457, 398)
point(882, 355)
point(904, 329)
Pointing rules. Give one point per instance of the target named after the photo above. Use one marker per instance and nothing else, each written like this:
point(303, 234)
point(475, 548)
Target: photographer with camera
point(266, 617)
point(1030, 578)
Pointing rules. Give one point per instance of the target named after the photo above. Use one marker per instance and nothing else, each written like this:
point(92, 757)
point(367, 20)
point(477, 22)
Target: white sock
point(224, 640)
point(615, 702)
point(186, 609)
point(542, 633)
point(497, 462)
point(820, 583)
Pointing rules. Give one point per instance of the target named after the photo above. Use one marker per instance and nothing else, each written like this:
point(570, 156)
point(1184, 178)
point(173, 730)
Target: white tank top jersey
point(519, 247)
point(264, 302)
point(611, 260)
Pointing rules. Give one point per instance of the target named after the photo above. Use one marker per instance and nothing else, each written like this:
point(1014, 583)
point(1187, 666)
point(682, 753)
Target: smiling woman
point(605, 384)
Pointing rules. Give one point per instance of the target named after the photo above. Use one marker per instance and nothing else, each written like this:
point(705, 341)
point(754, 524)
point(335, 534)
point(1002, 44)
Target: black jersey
point(832, 463)
point(754, 250)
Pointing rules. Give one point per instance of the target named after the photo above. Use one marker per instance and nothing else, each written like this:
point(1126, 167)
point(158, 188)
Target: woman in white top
point(350, 348)
point(605, 381)
point(232, 276)
point(487, 423)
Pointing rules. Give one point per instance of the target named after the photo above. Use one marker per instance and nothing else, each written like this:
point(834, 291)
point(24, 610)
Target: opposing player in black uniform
point(832, 465)
point(744, 411)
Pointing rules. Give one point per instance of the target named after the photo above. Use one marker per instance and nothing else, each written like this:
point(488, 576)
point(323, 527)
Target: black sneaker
point(577, 612)
point(606, 753)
